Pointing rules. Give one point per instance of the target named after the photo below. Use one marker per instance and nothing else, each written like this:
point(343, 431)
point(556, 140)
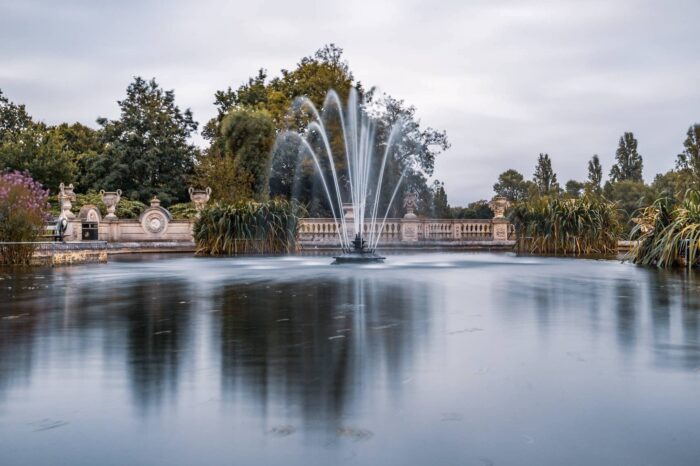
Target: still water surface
point(444, 359)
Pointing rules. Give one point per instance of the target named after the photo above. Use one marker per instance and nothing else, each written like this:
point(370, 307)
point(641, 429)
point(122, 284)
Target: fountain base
point(359, 254)
point(354, 257)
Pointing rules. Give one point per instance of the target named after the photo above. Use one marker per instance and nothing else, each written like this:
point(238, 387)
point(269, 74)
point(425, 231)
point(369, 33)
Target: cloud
point(506, 79)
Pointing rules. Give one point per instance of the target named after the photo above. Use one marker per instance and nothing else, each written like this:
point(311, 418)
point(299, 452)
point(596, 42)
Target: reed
point(588, 225)
point(248, 228)
point(668, 232)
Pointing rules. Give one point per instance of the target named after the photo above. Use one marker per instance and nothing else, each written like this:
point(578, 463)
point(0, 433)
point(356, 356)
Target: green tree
point(29, 146)
point(689, 159)
point(84, 144)
point(42, 152)
point(630, 196)
point(13, 118)
point(544, 178)
point(413, 157)
point(674, 183)
point(595, 175)
point(628, 166)
point(147, 150)
point(249, 135)
point(574, 188)
point(441, 208)
point(475, 210)
point(512, 185)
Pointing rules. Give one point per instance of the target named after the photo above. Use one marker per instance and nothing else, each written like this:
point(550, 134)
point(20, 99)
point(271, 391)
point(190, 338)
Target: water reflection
point(311, 352)
point(444, 358)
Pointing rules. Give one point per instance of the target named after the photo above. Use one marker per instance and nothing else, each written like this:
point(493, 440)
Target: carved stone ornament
point(199, 197)
point(65, 198)
point(499, 204)
point(155, 222)
point(90, 213)
point(155, 219)
point(410, 204)
point(111, 199)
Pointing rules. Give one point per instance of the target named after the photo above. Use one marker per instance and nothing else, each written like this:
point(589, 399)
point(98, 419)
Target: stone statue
point(111, 199)
point(410, 204)
point(65, 198)
point(199, 198)
point(499, 204)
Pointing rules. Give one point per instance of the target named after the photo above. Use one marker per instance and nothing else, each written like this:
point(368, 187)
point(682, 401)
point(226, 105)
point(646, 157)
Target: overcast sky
point(506, 79)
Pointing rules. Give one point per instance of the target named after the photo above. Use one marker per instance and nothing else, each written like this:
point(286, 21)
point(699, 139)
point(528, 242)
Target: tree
point(14, 119)
point(674, 183)
point(573, 188)
point(33, 147)
point(441, 208)
point(295, 176)
point(249, 135)
point(544, 178)
point(629, 163)
point(629, 196)
point(511, 185)
point(42, 152)
point(84, 144)
point(475, 210)
point(595, 175)
point(147, 150)
point(690, 157)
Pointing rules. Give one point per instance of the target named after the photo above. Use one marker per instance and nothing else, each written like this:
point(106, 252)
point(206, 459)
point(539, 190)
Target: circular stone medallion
point(155, 223)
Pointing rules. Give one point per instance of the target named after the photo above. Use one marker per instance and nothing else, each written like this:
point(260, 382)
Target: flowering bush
point(23, 213)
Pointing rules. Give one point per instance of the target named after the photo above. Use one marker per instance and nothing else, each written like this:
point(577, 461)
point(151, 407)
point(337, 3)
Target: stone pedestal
point(499, 229)
point(409, 229)
point(74, 230)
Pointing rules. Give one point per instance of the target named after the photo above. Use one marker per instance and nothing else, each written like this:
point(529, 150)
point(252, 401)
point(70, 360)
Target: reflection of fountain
point(365, 171)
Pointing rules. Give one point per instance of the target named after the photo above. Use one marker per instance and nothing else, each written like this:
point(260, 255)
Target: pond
point(449, 359)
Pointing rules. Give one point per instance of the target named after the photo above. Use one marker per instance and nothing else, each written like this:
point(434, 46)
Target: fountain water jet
point(365, 171)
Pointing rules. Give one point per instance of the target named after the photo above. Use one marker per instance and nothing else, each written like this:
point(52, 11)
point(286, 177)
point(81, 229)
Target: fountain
point(365, 170)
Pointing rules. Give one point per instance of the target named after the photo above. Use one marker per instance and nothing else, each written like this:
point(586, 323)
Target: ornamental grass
point(248, 228)
point(589, 225)
point(668, 232)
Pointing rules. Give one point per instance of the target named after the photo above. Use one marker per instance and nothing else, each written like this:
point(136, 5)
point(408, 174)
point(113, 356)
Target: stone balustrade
point(156, 225)
point(324, 231)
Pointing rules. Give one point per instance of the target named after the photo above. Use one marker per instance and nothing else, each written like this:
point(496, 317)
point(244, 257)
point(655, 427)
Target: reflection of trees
point(157, 331)
point(675, 294)
point(316, 348)
point(627, 304)
point(18, 326)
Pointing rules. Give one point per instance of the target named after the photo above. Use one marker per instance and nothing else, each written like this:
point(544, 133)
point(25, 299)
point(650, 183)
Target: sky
point(506, 79)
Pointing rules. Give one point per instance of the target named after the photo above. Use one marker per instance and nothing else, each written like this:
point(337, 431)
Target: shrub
point(183, 211)
point(23, 213)
point(581, 226)
point(668, 233)
point(247, 227)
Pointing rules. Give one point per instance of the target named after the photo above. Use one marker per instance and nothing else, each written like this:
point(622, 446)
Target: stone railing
point(324, 231)
point(156, 224)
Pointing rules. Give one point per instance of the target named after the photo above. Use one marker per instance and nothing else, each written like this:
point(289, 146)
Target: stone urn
point(111, 199)
point(66, 196)
point(410, 204)
point(499, 204)
point(199, 198)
